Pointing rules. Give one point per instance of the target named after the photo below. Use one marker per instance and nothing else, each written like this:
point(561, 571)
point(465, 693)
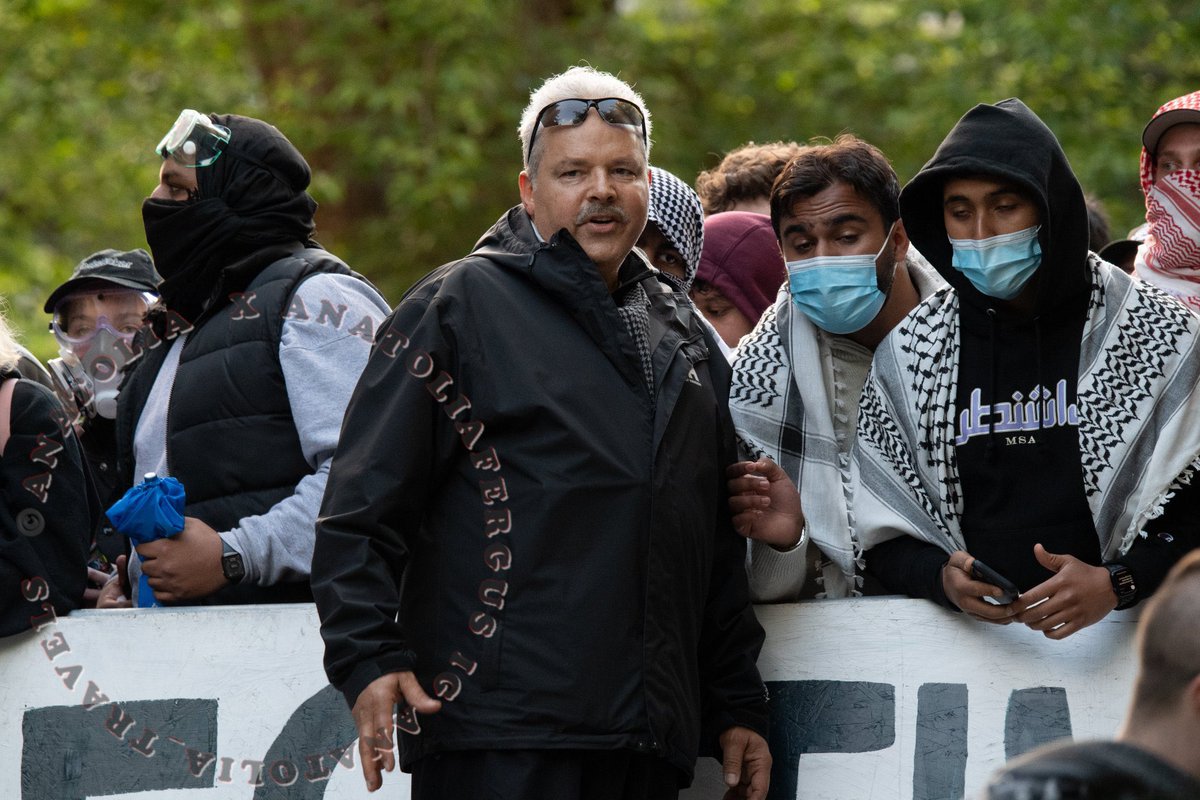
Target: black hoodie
point(1020, 487)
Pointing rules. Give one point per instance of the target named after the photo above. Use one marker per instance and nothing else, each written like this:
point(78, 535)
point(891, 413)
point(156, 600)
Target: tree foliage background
point(408, 110)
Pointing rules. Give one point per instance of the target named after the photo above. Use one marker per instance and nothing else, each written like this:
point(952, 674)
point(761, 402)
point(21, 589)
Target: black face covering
point(249, 199)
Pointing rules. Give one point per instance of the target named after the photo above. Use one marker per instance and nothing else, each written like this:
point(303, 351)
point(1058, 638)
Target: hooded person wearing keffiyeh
point(1050, 434)
point(674, 234)
point(1169, 258)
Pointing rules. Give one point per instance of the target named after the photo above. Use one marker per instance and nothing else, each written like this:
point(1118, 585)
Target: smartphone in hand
point(982, 572)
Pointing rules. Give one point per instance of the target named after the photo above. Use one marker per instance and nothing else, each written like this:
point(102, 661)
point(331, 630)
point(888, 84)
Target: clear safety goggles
point(194, 140)
point(59, 321)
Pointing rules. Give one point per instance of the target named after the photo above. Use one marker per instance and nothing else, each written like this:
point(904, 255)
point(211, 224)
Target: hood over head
point(1009, 142)
point(741, 258)
point(675, 209)
point(250, 207)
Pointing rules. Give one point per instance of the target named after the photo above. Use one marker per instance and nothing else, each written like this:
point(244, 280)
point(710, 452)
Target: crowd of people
point(535, 502)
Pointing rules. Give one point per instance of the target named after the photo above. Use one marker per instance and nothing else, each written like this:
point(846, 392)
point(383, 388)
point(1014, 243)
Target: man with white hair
point(523, 540)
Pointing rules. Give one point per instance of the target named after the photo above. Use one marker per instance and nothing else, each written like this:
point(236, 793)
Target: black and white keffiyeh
point(634, 308)
point(675, 209)
point(786, 390)
point(1139, 417)
point(780, 408)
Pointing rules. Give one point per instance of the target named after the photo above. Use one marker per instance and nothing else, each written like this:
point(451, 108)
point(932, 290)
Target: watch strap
point(1123, 584)
point(232, 566)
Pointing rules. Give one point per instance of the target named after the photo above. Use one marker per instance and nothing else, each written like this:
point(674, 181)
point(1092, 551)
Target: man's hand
point(376, 728)
point(765, 503)
point(967, 593)
point(185, 567)
point(1077, 596)
point(116, 592)
point(746, 764)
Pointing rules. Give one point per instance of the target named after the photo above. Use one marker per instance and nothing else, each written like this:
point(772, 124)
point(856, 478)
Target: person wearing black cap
point(1038, 413)
point(1122, 252)
point(260, 341)
point(1169, 257)
point(94, 316)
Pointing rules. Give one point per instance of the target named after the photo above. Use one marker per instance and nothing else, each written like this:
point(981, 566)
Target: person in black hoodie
point(1033, 415)
point(256, 349)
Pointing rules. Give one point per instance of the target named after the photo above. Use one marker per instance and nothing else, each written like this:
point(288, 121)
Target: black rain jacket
point(512, 515)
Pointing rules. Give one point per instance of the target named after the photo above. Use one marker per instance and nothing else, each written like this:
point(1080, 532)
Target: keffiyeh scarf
point(1170, 256)
point(1138, 407)
point(778, 399)
point(675, 209)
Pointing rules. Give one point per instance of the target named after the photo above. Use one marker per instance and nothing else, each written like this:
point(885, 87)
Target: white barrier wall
point(871, 699)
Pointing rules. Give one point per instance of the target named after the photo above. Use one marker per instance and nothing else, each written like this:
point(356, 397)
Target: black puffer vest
point(231, 439)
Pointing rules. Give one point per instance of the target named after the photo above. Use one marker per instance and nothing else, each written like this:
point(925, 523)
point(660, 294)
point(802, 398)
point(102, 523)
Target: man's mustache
point(600, 210)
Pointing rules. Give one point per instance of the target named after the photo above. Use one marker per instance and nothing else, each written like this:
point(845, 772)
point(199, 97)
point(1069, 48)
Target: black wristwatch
point(231, 563)
point(1124, 587)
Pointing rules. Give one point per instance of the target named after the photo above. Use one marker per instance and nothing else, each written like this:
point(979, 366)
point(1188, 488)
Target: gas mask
point(89, 369)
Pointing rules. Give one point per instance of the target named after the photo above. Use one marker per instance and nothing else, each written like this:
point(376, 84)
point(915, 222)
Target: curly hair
point(746, 173)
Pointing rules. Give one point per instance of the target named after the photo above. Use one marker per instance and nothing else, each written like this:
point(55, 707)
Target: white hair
point(577, 82)
point(10, 353)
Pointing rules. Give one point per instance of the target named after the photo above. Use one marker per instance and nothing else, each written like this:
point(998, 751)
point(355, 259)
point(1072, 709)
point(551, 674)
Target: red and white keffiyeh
point(1169, 258)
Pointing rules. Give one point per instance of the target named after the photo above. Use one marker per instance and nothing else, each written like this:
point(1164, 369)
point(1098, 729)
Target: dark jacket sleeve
point(1169, 537)
point(49, 516)
point(910, 567)
point(393, 443)
point(732, 636)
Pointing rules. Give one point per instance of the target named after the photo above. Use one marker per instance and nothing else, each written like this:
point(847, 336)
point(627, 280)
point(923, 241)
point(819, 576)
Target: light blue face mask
point(839, 294)
point(999, 266)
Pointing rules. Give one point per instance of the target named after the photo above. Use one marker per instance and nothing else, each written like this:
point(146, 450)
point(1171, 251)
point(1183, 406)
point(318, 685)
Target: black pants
point(544, 775)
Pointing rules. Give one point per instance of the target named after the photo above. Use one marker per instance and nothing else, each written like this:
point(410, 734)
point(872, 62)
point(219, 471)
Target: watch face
point(231, 565)
point(1123, 585)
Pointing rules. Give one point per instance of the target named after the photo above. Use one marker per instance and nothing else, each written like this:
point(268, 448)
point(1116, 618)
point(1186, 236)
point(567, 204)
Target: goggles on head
point(574, 111)
point(194, 140)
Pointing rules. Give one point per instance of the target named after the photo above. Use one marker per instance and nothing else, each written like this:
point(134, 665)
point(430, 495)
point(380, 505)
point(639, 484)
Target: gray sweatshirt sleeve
point(322, 355)
point(777, 576)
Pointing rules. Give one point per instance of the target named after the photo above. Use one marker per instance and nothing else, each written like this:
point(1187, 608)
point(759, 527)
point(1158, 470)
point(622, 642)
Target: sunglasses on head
point(574, 111)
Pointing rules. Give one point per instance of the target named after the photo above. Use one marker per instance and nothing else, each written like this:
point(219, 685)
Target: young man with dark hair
point(1038, 413)
point(795, 393)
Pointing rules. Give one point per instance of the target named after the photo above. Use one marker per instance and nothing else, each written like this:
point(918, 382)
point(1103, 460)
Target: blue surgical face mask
point(839, 294)
point(999, 266)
